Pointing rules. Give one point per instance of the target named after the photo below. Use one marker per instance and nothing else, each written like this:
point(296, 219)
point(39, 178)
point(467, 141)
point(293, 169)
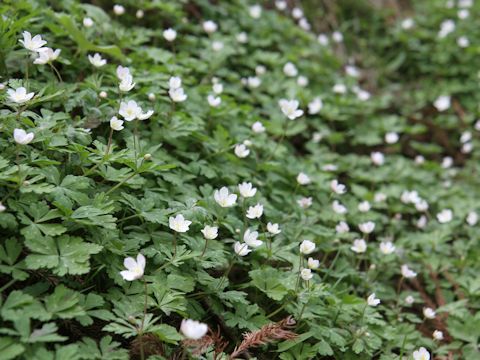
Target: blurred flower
point(339, 89)
point(367, 227)
point(379, 197)
point(377, 158)
point(33, 44)
point(193, 329)
point(290, 69)
point(421, 222)
point(323, 39)
point(258, 127)
point(364, 206)
point(313, 263)
point(224, 198)
point(139, 14)
point(342, 227)
point(129, 110)
point(429, 313)
point(409, 299)
point(96, 60)
point(421, 354)
point(315, 106)
point(253, 82)
point(214, 101)
point(407, 23)
point(281, 4)
point(210, 27)
point(391, 137)
point(135, 269)
point(359, 246)
point(87, 22)
point(122, 72)
point(177, 95)
point(126, 84)
point(307, 247)
point(103, 94)
point(22, 137)
point(241, 249)
point(445, 216)
point(303, 179)
point(217, 45)
point(210, 232)
point(407, 272)
point(260, 70)
point(179, 223)
point(2, 207)
point(169, 34)
point(247, 190)
point(241, 151)
point(116, 124)
point(273, 228)
point(217, 88)
point(387, 248)
point(337, 36)
point(19, 95)
point(242, 37)
point(372, 300)
point(297, 13)
point(255, 212)
point(251, 238)
point(337, 187)
point(339, 208)
point(118, 9)
point(306, 274)
point(472, 218)
point(302, 81)
point(437, 335)
point(304, 24)
point(305, 202)
point(46, 55)
point(463, 42)
point(446, 27)
point(290, 108)
point(255, 11)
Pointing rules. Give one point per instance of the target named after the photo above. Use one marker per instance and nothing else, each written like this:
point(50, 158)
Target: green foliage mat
point(376, 165)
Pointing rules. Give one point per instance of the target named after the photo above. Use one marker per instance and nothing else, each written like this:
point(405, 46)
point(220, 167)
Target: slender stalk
point(174, 244)
point(142, 352)
point(135, 140)
point(284, 134)
point(225, 275)
point(205, 248)
point(109, 144)
point(26, 70)
point(17, 155)
point(121, 183)
point(7, 285)
point(56, 72)
point(299, 271)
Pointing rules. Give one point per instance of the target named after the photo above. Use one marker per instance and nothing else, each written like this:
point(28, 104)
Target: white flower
point(463, 14)
point(303, 179)
point(251, 238)
point(290, 108)
point(96, 60)
point(33, 44)
point(446, 27)
point(290, 69)
point(407, 272)
point(19, 95)
point(116, 124)
point(217, 45)
point(46, 55)
point(391, 137)
point(193, 329)
point(258, 127)
point(367, 227)
point(422, 205)
point(408, 197)
point(151, 96)
point(352, 71)
point(297, 13)
point(273, 228)
point(255, 11)
point(445, 216)
point(178, 223)
point(260, 70)
point(359, 246)
point(281, 4)
point(126, 84)
point(302, 81)
point(134, 268)
point(465, 3)
point(317, 137)
point(242, 37)
point(169, 34)
point(210, 232)
point(253, 82)
point(379, 197)
point(315, 106)
point(421, 354)
point(214, 101)
point(122, 72)
point(323, 40)
point(342, 227)
point(224, 198)
point(377, 158)
point(339, 208)
point(145, 116)
point(363, 95)
point(437, 335)
point(466, 137)
point(372, 300)
point(472, 218)
point(409, 300)
point(241, 249)
point(307, 247)
point(407, 23)
point(419, 159)
point(337, 187)
point(304, 24)
point(139, 14)
point(339, 89)
point(306, 274)
point(305, 202)
point(442, 103)
point(177, 95)
point(2, 207)
point(103, 94)
point(217, 88)
point(364, 206)
point(463, 42)
point(118, 9)
point(247, 190)
point(387, 248)
point(174, 83)
point(429, 313)
point(22, 137)
point(447, 162)
point(337, 36)
point(87, 22)
point(210, 27)
point(241, 151)
point(313, 263)
point(255, 212)
point(421, 222)
point(129, 110)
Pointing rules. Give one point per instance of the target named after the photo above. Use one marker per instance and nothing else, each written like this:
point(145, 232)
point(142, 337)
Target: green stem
point(205, 248)
point(284, 134)
point(121, 183)
point(142, 352)
point(7, 285)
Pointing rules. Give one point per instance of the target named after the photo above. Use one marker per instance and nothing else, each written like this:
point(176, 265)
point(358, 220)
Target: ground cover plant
point(229, 179)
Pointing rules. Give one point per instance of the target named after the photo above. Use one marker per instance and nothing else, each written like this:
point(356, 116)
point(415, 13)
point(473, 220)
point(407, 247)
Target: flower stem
point(121, 183)
point(142, 352)
point(205, 248)
point(56, 72)
point(284, 134)
point(109, 144)
point(174, 244)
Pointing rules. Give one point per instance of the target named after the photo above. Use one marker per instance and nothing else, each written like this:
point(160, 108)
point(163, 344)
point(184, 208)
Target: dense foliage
point(119, 223)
